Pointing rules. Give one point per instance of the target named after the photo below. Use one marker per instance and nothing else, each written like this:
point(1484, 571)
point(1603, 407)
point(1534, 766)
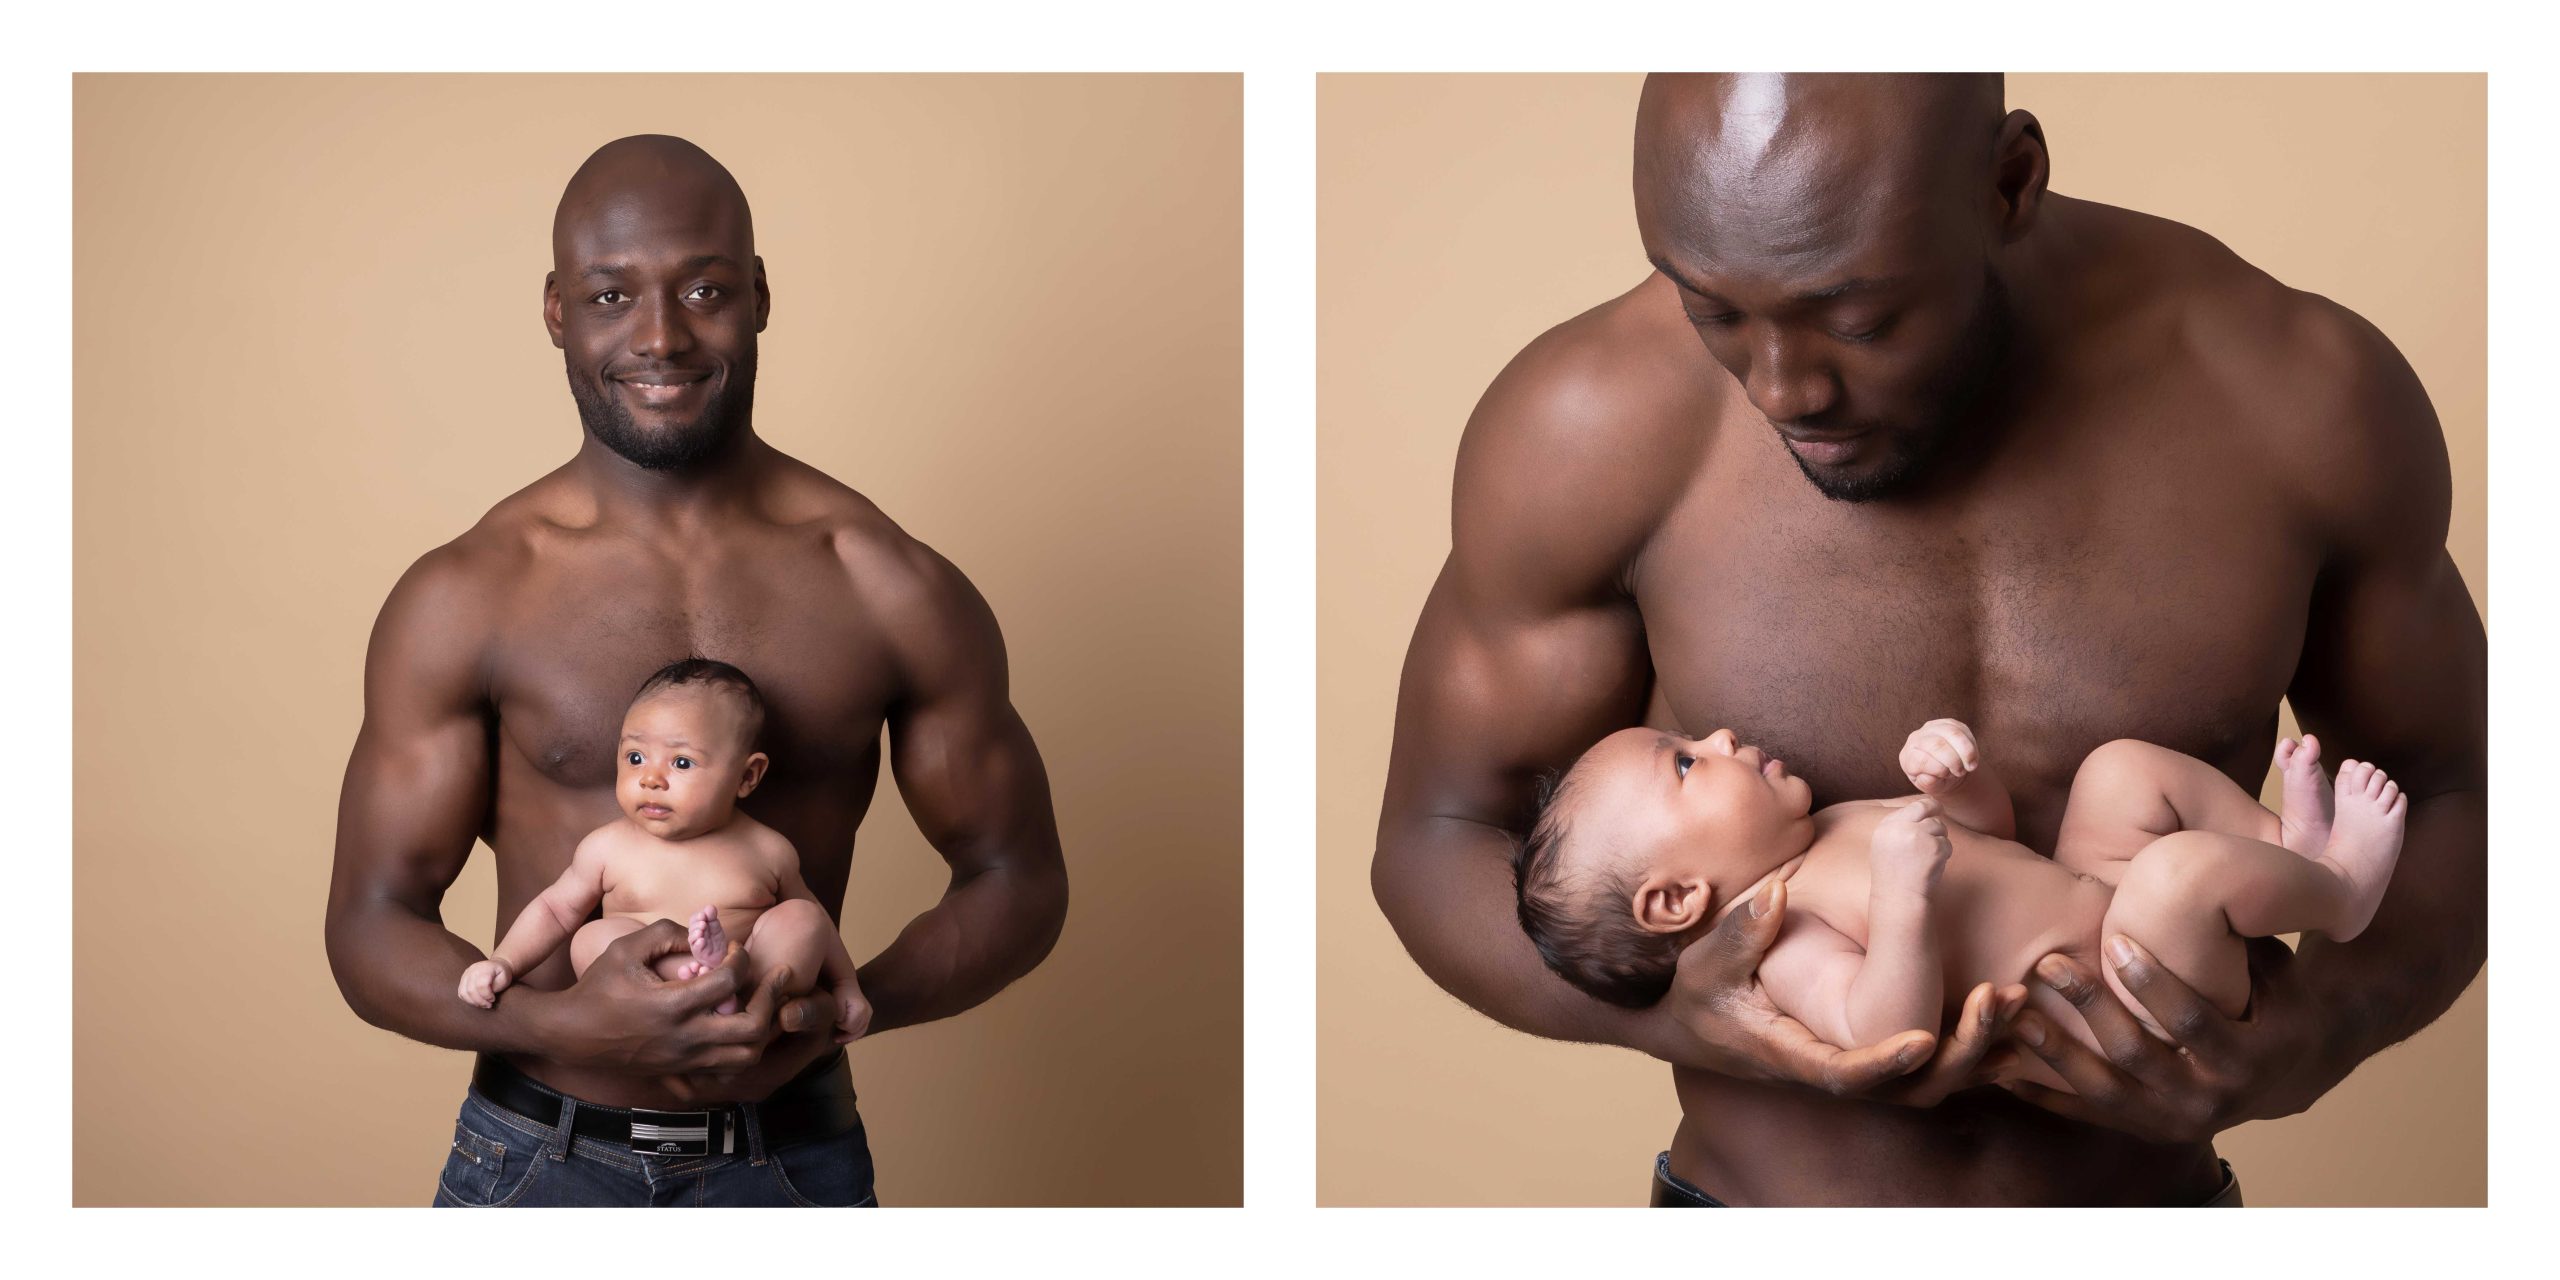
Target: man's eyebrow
point(1854, 284)
point(610, 270)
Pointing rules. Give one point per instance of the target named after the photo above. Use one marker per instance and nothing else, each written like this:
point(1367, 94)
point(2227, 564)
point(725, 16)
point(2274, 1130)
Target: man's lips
point(1824, 447)
point(663, 388)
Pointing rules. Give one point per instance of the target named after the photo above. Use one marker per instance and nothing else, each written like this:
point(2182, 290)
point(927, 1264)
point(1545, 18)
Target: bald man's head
point(649, 175)
point(1835, 241)
point(655, 297)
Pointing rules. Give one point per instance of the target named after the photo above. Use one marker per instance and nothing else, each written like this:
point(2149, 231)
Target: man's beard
point(676, 446)
point(1910, 452)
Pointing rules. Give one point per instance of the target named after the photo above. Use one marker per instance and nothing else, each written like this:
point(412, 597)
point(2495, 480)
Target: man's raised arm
point(416, 795)
point(973, 781)
point(1529, 649)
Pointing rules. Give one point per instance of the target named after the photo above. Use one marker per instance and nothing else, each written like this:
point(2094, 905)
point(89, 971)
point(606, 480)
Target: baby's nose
point(1721, 741)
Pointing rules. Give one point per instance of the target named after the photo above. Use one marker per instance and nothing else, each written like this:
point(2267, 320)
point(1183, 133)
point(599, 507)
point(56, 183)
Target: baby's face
point(1709, 813)
point(684, 762)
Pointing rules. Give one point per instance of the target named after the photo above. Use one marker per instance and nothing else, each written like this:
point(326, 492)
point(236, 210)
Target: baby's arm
point(1944, 761)
point(1853, 998)
point(545, 923)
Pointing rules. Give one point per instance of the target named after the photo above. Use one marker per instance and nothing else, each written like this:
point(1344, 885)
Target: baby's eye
point(1680, 764)
point(631, 757)
point(684, 762)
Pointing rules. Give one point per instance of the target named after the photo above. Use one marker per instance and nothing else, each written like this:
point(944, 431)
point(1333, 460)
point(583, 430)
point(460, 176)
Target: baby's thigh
point(2129, 793)
point(595, 935)
point(796, 932)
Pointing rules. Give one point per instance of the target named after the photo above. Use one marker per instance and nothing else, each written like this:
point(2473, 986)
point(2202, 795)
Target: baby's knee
point(795, 915)
point(2181, 869)
point(2125, 762)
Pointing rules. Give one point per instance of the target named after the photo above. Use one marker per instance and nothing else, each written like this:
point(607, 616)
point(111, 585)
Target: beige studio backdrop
point(1458, 217)
point(308, 348)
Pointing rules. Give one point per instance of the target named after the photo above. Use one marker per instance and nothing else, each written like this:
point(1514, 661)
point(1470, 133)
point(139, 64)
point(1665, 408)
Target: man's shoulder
point(1585, 440)
point(890, 568)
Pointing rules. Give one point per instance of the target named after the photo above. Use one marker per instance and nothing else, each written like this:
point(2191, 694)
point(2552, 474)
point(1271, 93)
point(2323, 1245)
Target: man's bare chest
point(583, 635)
point(2174, 613)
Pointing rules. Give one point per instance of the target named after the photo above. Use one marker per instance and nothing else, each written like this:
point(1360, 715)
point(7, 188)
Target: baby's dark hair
point(1587, 932)
point(716, 673)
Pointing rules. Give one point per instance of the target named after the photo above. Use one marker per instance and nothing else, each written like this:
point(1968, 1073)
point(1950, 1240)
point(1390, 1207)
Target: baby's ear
point(754, 774)
point(1671, 904)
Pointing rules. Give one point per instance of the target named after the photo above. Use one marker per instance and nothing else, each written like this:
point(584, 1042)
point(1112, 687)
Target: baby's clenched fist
point(1940, 755)
point(482, 982)
point(1911, 845)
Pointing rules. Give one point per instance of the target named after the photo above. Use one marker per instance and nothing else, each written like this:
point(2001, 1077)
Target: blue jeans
point(500, 1158)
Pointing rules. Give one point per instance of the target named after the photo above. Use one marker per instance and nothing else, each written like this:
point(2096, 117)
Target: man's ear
point(1666, 903)
point(764, 295)
point(753, 775)
point(2020, 167)
point(551, 307)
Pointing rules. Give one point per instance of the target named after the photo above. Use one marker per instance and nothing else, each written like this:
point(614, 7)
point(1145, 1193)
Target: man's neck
point(706, 492)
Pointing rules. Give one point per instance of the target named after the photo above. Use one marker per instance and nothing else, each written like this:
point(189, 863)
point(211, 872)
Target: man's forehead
point(651, 227)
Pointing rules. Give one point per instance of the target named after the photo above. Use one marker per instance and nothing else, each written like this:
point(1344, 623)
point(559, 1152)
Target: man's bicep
point(964, 761)
point(1497, 690)
point(2395, 670)
point(418, 781)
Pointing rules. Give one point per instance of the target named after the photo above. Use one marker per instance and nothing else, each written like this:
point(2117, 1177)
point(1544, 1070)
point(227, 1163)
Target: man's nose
point(661, 332)
point(1787, 384)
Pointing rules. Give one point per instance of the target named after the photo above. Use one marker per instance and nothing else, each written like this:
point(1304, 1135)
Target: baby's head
point(689, 748)
point(1642, 845)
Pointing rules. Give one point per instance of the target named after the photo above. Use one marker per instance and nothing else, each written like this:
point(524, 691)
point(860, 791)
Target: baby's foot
point(2364, 844)
point(2308, 808)
point(710, 945)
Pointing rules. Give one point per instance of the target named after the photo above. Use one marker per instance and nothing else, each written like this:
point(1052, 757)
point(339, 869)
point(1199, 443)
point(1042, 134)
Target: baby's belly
point(2002, 913)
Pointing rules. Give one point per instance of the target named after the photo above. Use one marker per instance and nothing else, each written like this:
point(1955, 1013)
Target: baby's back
point(2001, 906)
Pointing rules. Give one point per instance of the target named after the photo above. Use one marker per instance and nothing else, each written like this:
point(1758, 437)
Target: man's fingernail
point(1911, 1054)
point(1760, 902)
point(2120, 949)
point(2031, 1031)
point(2056, 974)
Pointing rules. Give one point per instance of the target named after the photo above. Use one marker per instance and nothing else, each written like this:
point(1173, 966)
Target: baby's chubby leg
point(2191, 896)
point(2130, 793)
point(595, 935)
point(800, 933)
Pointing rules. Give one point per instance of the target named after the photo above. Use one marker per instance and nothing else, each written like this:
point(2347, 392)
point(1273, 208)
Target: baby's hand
point(1911, 846)
point(482, 982)
point(1940, 755)
point(853, 1012)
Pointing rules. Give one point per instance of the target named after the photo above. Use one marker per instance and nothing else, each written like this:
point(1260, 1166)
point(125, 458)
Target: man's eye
point(607, 298)
point(1719, 321)
point(705, 291)
point(1680, 764)
point(684, 762)
point(632, 757)
point(1869, 334)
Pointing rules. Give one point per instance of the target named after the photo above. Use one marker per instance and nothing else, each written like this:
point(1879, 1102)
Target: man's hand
point(2215, 1072)
point(1719, 1018)
point(620, 1014)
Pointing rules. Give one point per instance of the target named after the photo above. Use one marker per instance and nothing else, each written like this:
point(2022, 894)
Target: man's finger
point(2190, 1019)
point(2090, 1075)
point(703, 992)
point(2120, 1035)
point(816, 1009)
point(1735, 945)
point(1848, 1073)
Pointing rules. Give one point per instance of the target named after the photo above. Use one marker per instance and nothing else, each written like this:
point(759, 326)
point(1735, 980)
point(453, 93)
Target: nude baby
point(681, 845)
point(1897, 909)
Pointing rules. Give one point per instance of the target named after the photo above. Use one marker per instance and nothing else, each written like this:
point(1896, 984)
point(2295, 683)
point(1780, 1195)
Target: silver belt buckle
point(671, 1133)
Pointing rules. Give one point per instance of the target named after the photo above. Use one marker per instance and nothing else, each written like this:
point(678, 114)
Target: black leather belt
point(817, 1103)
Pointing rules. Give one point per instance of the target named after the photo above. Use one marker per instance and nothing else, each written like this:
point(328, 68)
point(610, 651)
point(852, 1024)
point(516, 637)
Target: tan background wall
point(308, 348)
point(1459, 216)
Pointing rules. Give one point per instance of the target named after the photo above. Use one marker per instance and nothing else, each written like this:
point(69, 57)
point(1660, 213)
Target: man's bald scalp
point(1713, 134)
point(660, 166)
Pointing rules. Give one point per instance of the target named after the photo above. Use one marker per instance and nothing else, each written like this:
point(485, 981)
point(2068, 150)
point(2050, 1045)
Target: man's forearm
point(2424, 946)
point(989, 929)
point(1447, 890)
point(399, 972)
